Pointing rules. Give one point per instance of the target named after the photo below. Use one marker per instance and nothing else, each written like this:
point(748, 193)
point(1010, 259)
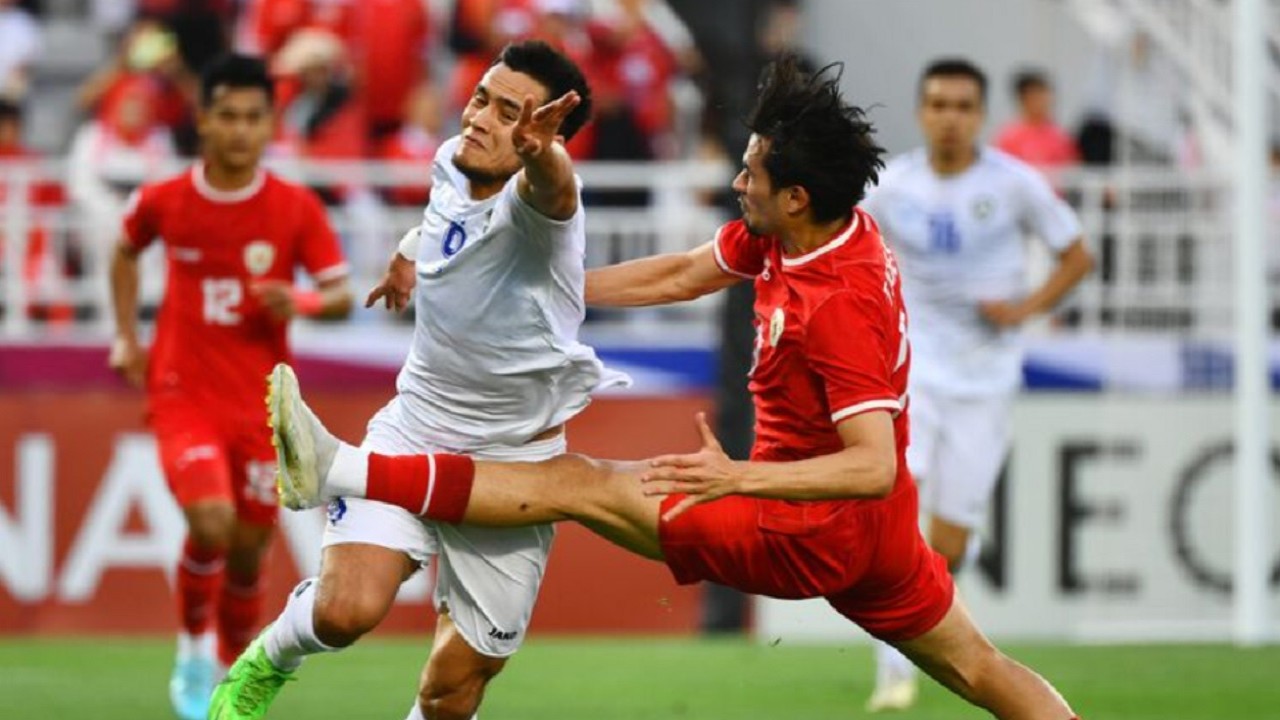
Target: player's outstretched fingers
point(376, 294)
point(709, 440)
point(676, 461)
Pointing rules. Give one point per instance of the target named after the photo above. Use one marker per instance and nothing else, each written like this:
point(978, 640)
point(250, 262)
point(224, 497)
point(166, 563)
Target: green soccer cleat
point(251, 685)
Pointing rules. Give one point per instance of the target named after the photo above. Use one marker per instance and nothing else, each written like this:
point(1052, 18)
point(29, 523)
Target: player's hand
point(703, 476)
point(396, 287)
point(537, 128)
point(1003, 313)
point(276, 296)
point(129, 360)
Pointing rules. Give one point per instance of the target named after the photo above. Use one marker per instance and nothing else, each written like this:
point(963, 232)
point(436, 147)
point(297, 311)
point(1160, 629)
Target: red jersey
point(214, 342)
point(830, 338)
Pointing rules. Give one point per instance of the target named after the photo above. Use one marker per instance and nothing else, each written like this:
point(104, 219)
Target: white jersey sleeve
point(536, 226)
point(1044, 213)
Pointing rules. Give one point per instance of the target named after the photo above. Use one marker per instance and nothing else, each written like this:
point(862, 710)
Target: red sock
point(199, 578)
point(435, 486)
point(239, 609)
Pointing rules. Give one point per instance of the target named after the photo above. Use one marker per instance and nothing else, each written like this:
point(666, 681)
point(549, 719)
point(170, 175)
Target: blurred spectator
point(263, 26)
point(643, 46)
point(110, 156)
point(1033, 136)
point(201, 27)
point(416, 142)
point(320, 116)
point(42, 266)
point(390, 48)
point(478, 29)
point(19, 46)
point(147, 52)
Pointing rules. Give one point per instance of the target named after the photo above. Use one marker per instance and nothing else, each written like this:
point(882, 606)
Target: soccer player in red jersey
point(233, 235)
point(826, 507)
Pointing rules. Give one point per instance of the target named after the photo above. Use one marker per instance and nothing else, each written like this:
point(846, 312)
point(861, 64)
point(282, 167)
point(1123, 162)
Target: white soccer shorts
point(956, 450)
point(487, 578)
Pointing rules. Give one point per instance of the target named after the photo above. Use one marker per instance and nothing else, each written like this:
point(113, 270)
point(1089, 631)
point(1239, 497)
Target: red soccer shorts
point(867, 558)
point(211, 454)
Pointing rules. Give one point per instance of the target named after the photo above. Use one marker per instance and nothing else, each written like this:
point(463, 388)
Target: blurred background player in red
point(234, 236)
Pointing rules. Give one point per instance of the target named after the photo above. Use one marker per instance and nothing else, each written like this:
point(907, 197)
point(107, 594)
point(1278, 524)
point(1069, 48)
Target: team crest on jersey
point(777, 323)
point(259, 256)
point(983, 206)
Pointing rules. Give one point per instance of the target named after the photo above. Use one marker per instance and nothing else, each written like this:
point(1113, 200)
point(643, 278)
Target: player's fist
point(129, 360)
point(276, 296)
point(396, 287)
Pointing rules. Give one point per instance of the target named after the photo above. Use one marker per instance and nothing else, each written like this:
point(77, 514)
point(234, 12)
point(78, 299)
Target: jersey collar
point(213, 194)
point(827, 247)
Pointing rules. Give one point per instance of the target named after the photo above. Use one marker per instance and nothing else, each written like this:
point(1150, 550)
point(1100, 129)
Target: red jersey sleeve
point(849, 345)
point(140, 223)
point(738, 252)
point(319, 250)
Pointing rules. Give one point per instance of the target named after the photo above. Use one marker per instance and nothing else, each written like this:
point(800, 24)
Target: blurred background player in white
point(958, 215)
point(234, 235)
point(496, 370)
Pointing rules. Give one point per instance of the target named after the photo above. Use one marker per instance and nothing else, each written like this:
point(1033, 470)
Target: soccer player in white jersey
point(958, 215)
point(495, 371)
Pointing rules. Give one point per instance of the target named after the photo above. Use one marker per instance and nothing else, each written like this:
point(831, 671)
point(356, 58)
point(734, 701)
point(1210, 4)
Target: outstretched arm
point(547, 181)
point(866, 468)
point(658, 280)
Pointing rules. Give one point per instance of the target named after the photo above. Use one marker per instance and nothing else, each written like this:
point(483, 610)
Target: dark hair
point(954, 67)
point(10, 110)
point(234, 70)
point(1028, 80)
point(816, 140)
point(556, 72)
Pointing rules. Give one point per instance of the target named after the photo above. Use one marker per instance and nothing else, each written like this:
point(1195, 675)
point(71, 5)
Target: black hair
point(234, 70)
point(1028, 80)
point(954, 67)
point(554, 71)
point(10, 110)
point(817, 140)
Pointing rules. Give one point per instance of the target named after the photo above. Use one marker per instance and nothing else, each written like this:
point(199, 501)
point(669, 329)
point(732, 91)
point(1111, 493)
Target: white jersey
point(960, 240)
point(495, 358)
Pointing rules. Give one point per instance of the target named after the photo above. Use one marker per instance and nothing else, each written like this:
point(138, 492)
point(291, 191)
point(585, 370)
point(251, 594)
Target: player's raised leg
point(604, 496)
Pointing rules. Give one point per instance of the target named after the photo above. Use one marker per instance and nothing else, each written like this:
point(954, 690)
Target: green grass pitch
point(630, 679)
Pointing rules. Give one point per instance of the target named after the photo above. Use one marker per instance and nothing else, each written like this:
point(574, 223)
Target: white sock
point(203, 645)
point(416, 713)
point(891, 665)
point(349, 474)
point(293, 636)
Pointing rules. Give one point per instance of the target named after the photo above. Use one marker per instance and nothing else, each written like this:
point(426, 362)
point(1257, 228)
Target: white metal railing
point(1162, 238)
point(1197, 37)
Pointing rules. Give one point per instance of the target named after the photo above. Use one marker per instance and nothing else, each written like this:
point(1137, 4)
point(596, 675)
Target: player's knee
point(341, 618)
point(455, 700)
point(211, 526)
point(579, 482)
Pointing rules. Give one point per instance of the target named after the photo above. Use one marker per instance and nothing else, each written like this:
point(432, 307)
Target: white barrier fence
point(1163, 239)
point(1113, 523)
